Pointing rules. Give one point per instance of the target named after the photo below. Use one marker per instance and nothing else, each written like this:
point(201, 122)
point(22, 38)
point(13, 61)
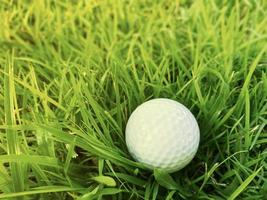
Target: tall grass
point(72, 73)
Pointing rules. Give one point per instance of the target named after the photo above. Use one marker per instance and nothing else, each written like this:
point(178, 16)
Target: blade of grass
point(39, 190)
point(244, 185)
point(11, 135)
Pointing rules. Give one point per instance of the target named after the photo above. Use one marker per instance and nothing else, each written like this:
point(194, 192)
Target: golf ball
point(163, 134)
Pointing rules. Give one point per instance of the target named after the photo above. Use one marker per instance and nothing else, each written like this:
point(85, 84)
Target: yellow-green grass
point(71, 73)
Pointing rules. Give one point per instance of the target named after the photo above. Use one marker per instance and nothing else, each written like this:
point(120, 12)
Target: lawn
point(72, 72)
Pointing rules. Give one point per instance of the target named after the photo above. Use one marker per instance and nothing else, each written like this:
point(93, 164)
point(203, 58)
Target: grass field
point(71, 73)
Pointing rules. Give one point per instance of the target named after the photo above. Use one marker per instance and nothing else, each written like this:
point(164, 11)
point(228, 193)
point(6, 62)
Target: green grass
point(71, 73)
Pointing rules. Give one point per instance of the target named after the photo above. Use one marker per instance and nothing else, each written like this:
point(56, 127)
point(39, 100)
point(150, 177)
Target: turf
point(73, 71)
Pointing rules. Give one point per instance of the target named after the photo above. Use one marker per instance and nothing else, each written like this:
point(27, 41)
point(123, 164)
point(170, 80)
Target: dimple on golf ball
point(163, 134)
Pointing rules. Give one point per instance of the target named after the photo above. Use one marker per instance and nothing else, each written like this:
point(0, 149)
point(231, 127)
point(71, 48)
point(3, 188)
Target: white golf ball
point(162, 133)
